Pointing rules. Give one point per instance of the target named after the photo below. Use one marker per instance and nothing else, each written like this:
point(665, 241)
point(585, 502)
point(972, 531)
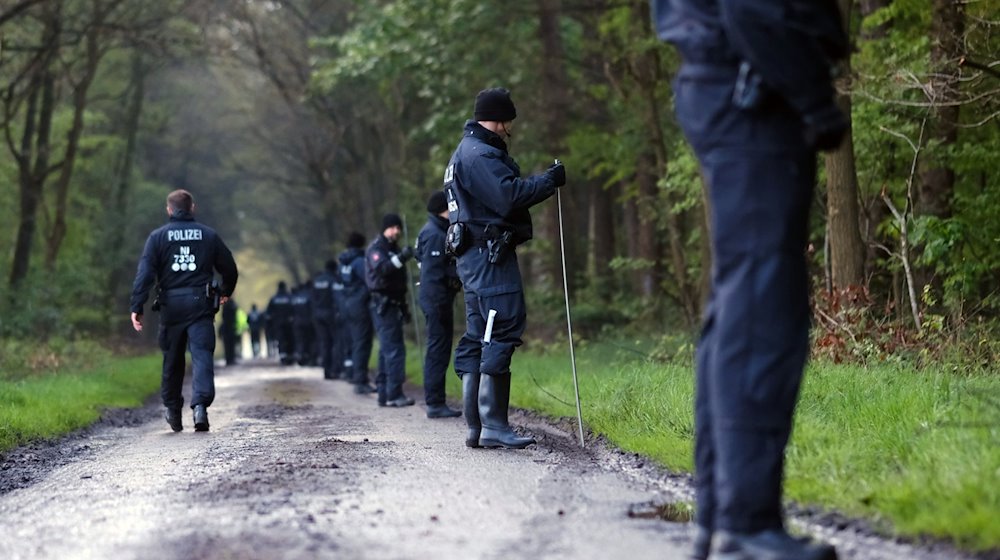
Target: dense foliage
point(297, 121)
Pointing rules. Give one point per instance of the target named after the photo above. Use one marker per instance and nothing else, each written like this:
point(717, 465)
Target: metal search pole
point(569, 321)
point(413, 297)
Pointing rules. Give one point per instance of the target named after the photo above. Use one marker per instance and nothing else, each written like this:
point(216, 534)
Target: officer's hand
point(137, 322)
point(557, 172)
point(825, 129)
point(406, 254)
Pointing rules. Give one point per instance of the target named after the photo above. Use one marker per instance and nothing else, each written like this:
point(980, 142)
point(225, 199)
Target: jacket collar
point(476, 130)
point(182, 216)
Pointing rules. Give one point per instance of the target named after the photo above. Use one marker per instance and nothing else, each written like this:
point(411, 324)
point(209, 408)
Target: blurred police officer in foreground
point(356, 314)
point(180, 258)
point(488, 205)
point(325, 315)
point(385, 273)
point(755, 100)
point(439, 284)
point(279, 323)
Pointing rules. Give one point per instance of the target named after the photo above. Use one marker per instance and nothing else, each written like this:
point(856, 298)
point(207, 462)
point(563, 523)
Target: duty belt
point(185, 291)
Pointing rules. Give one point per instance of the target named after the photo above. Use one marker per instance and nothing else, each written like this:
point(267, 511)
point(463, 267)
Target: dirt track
point(299, 467)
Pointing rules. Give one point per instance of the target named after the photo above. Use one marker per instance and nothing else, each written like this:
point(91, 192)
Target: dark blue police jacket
point(182, 255)
point(782, 40)
point(381, 273)
point(352, 276)
point(484, 186)
point(438, 276)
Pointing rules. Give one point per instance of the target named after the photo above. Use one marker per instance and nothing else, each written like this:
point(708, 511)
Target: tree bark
point(847, 249)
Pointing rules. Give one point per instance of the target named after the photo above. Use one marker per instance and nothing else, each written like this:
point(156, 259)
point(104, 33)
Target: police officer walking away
point(227, 330)
point(754, 98)
point(439, 284)
point(325, 314)
point(180, 258)
point(355, 311)
point(488, 204)
point(386, 278)
point(279, 323)
point(254, 320)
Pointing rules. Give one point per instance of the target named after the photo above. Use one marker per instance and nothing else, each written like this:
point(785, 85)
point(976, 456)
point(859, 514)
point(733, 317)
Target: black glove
point(825, 129)
point(406, 254)
point(557, 172)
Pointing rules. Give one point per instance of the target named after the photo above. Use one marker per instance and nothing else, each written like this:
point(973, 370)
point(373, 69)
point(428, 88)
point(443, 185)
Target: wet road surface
point(297, 467)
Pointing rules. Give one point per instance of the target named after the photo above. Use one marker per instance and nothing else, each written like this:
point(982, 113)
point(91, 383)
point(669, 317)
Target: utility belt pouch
point(212, 295)
point(156, 303)
point(381, 303)
point(498, 245)
point(456, 239)
point(749, 90)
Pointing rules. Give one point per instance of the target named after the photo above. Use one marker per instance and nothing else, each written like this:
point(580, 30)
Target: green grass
point(918, 452)
point(42, 406)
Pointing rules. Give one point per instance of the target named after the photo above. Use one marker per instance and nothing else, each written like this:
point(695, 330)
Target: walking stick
point(569, 321)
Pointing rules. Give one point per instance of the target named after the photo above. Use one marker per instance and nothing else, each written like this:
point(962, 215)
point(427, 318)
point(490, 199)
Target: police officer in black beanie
point(385, 273)
point(439, 284)
point(355, 313)
point(488, 204)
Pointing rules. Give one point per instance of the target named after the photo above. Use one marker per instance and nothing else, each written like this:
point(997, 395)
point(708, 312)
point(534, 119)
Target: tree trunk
point(554, 96)
point(937, 178)
point(32, 174)
point(601, 236)
point(647, 239)
point(120, 197)
point(58, 232)
point(847, 249)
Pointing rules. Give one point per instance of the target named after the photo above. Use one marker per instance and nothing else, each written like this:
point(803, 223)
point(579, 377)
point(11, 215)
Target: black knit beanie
point(437, 203)
point(390, 220)
point(355, 240)
point(494, 104)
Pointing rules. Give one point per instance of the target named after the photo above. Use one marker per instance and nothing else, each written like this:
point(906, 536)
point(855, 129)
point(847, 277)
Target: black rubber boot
point(200, 418)
point(494, 400)
point(702, 543)
point(773, 544)
point(470, 406)
point(442, 411)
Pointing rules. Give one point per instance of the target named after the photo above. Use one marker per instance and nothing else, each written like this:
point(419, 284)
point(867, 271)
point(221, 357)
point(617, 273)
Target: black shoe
point(773, 544)
point(363, 389)
point(442, 411)
point(401, 401)
point(200, 418)
point(702, 543)
point(173, 417)
point(470, 405)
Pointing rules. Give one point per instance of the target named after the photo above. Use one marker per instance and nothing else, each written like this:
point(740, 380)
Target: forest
point(295, 122)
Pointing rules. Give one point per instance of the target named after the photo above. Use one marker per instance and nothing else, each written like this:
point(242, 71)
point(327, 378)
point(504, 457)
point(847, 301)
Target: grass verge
point(48, 405)
point(918, 452)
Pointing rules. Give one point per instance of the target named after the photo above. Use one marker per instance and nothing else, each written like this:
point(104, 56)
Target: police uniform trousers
point(440, 317)
point(326, 344)
point(391, 351)
point(490, 287)
point(754, 341)
point(359, 326)
point(187, 324)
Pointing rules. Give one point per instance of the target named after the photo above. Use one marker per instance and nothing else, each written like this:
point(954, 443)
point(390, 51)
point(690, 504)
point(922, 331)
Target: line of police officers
point(754, 98)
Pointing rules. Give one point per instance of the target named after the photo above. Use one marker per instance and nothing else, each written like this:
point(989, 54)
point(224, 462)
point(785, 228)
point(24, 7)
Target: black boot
point(173, 417)
point(442, 411)
point(773, 544)
point(702, 543)
point(494, 399)
point(200, 418)
point(470, 405)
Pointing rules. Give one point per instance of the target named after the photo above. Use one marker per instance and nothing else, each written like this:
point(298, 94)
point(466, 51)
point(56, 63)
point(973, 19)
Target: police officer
point(180, 258)
point(754, 98)
point(325, 315)
point(227, 330)
point(385, 274)
point(439, 284)
point(254, 321)
point(303, 326)
point(356, 314)
point(488, 203)
point(279, 323)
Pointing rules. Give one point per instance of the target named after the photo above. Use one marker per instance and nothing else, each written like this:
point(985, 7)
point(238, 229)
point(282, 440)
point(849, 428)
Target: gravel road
point(298, 467)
